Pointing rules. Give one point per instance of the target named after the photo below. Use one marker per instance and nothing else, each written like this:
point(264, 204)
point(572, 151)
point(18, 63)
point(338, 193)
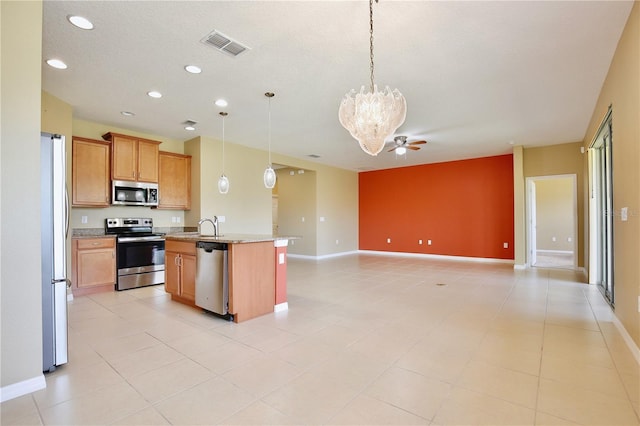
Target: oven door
point(140, 262)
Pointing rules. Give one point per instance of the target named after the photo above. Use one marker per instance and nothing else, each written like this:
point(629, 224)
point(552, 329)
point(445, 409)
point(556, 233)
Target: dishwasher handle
point(209, 246)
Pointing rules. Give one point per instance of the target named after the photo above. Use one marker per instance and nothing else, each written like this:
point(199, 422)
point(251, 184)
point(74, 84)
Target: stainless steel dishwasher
point(212, 277)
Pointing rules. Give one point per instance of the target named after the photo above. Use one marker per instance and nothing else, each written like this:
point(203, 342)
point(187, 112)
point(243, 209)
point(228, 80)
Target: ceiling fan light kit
point(372, 116)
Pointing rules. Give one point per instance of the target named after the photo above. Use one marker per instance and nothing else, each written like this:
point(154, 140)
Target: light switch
point(321, 218)
point(428, 242)
point(420, 242)
point(85, 219)
point(505, 245)
point(179, 219)
point(388, 240)
point(303, 218)
point(281, 258)
point(624, 214)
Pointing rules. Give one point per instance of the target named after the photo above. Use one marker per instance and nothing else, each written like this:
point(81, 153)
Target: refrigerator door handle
point(66, 212)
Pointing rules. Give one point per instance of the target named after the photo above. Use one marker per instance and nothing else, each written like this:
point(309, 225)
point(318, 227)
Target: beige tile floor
point(367, 340)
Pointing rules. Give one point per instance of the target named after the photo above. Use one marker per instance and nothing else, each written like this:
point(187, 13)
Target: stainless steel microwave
point(134, 193)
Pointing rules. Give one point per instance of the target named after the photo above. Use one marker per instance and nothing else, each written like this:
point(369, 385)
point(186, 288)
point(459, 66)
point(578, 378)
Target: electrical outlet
point(302, 216)
point(553, 239)
point(569, 239)
point(428, 242)
point(179, 219)
point(222, 219)
point(85, 219)
point(388, 240)
point(174, 219)
point(420, 242)
point(321, 218)
point(337, 242)
point(505, 245)
point(624, 214)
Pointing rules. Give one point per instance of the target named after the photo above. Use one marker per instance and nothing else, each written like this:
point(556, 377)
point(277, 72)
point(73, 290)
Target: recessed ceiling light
point(221, 103)
point(193, 69)
point(154, 94)
point(127, 113)
point(57, 63)
point(190, 128)
point(80, 22)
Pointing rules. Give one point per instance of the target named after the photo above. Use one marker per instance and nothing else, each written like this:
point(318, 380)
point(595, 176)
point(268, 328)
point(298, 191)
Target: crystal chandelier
point(223, 181)
point(269, 173)
point(372, 116)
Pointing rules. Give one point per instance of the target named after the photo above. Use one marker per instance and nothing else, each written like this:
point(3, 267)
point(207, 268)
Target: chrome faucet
point(214, 222)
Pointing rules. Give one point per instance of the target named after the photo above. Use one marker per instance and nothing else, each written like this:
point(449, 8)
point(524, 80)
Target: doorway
point(552, 221)
point(600, 209)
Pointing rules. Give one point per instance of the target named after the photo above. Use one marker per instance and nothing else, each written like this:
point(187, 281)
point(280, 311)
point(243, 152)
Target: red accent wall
point(464, 207)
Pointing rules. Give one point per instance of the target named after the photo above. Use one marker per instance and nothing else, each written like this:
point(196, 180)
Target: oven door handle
point(138, 239)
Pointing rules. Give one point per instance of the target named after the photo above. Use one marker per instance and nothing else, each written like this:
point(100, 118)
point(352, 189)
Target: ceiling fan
point(401, 145)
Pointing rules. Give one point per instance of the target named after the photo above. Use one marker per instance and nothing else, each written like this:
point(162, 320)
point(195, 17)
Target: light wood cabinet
point(93, 264)
point(180, 271)
point(90, 173)
point(133, 159)
point(174, 181)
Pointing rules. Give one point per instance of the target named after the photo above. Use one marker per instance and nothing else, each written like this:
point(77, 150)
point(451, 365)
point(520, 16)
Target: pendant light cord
point(270, 131)
point(223, 144)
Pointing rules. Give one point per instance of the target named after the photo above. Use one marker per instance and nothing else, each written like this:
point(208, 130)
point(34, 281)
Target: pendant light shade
point(269, 174)
point(374, 115)
point(223, 180)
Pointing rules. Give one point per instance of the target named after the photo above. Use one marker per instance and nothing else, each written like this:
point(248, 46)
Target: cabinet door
point(125, 158)
point(189, 277)
point(171, 273)
point(96, 267)
point(90, 173)
point(147, 161)
point(174, 181)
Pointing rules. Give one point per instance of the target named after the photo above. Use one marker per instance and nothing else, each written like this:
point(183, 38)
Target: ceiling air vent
point(223, 43)
point(190, 123)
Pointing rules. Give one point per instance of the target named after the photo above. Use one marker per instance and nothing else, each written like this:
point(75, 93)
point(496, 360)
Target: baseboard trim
point(635, 351)
point(403, 254)
point(324, 256)
point(437, 256)
point(281, 307)
point(554, 251)
point(520, 266)
point(22, 388)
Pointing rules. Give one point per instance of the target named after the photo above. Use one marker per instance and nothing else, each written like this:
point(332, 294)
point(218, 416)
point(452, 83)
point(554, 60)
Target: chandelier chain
point(371, 40)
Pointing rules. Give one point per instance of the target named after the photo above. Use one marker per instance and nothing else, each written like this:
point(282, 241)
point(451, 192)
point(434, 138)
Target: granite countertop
point(227, 238)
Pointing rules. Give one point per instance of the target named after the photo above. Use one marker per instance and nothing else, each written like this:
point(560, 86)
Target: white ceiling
point(477, 75)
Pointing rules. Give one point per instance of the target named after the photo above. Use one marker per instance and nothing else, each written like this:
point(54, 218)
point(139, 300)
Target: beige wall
point(621, 91)
point(248, 205)
point(297, 200)
point(20, 273)
point(564, 159)
point(554, 213)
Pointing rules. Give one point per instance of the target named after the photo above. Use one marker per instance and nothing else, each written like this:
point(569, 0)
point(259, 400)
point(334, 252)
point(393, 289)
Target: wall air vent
point(221, 42)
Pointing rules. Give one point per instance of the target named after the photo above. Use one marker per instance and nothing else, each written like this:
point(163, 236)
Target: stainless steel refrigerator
point(54, 230)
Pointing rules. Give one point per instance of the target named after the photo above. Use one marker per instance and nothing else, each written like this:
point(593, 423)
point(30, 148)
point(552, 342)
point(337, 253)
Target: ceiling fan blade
point(417, 143)
point(415, 148)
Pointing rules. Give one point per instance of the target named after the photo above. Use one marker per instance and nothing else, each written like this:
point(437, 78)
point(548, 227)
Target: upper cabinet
point(175, 181)
point(90, 173)
point(133, 159)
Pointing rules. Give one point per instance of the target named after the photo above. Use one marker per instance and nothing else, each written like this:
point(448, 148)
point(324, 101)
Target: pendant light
point(373, 116)
point(223, 181)
point(269, 173)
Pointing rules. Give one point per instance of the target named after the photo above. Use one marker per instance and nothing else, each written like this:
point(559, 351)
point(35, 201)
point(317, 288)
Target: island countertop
point(227, 238)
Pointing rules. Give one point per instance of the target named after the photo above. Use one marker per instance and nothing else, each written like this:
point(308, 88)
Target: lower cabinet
point(180, 270)
point(93, 264)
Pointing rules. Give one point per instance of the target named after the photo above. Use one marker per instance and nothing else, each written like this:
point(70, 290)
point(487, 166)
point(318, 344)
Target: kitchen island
point(256, 271)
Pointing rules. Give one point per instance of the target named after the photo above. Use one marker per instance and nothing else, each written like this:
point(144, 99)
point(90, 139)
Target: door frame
point(531, 223)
